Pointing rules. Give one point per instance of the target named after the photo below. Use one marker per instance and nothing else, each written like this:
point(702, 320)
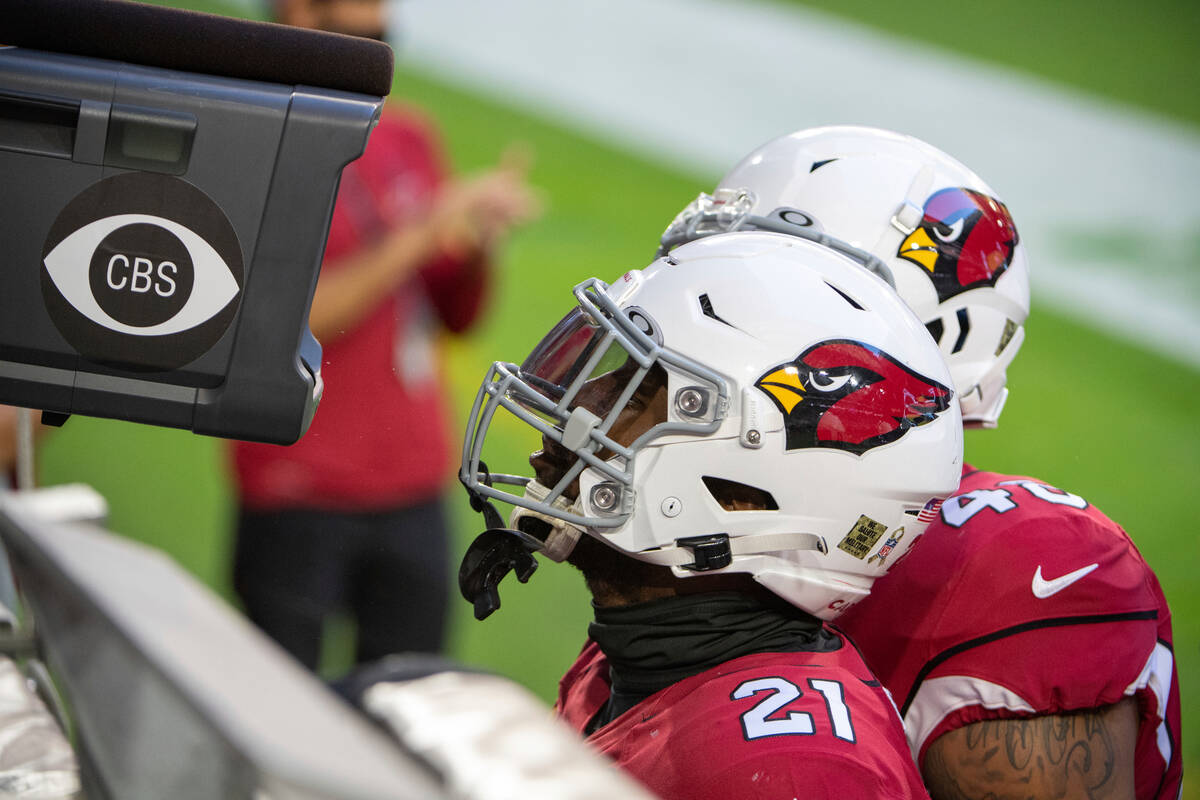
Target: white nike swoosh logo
point(1043, 588)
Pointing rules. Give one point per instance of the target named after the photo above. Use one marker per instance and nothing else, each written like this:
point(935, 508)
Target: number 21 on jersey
point(757, 722)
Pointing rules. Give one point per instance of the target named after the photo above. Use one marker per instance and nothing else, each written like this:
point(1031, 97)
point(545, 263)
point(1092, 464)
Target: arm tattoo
point(1080, 755)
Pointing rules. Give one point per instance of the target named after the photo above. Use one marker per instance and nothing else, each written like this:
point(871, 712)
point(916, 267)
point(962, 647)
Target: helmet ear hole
point(734, 496)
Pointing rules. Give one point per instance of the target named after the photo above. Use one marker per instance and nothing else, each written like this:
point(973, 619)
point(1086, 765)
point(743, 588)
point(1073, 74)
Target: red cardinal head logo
point(850, 396)
point(965, 240)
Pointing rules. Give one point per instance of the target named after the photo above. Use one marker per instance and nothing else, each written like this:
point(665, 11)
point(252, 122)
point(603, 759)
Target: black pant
point(387, 568)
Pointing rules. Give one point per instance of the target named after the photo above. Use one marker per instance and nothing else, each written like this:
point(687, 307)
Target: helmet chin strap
point(562, 536)
point(685, 554)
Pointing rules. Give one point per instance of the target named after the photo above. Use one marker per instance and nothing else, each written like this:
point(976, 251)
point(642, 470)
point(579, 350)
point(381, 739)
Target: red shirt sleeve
point(457, 289)
point(1021, 600)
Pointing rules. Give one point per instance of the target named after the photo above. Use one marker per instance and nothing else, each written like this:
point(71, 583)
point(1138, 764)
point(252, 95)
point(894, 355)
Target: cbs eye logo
point(142, 272)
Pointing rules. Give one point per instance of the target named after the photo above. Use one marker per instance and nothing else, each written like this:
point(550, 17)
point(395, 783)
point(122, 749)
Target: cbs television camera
point(169, 182)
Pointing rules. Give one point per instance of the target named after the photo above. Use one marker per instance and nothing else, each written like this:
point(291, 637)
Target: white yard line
point(1106, 197)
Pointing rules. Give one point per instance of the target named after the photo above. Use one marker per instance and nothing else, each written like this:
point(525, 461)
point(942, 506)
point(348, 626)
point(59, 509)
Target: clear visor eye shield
point(554, 391)
point(728, 210)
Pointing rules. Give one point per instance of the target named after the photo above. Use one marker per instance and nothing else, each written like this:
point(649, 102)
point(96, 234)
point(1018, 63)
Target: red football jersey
point(767, 725)
point(1023, 599)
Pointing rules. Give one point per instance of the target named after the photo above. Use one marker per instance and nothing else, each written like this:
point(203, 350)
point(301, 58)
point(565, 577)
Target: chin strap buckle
point(708, 552)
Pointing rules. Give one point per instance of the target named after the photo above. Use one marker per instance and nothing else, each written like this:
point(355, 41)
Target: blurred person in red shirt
point(351, 517)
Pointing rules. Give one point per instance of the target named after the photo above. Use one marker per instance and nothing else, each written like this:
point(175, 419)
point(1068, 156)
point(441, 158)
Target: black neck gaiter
point(652, 645)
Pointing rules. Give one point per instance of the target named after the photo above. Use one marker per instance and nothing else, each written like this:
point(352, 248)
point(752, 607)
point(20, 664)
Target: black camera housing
point(168, 183)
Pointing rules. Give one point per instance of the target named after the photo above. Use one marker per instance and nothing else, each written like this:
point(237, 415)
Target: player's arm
point(467, 219)
point(1087, 754)
point(348, 292)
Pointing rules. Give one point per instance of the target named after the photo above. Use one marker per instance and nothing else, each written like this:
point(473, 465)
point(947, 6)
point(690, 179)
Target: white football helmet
point(786, 370)
point(949, 244)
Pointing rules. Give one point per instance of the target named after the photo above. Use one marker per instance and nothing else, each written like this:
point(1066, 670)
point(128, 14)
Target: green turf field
point(1089, 413)
point(1144, 54)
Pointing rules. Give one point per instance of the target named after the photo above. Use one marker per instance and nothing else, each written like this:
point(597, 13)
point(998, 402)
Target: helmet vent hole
point(845, 296)
point(734, 496)
point(936, 328)
point(1010, 328)
point(964, 327)
point(816, 165)
point(706, 308)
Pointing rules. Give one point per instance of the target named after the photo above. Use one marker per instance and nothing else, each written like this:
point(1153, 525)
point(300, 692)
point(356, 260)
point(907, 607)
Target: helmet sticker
point(930, 512)
point(965, 240)
point(888, 546)
point(862, 537)
point(850, 396)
